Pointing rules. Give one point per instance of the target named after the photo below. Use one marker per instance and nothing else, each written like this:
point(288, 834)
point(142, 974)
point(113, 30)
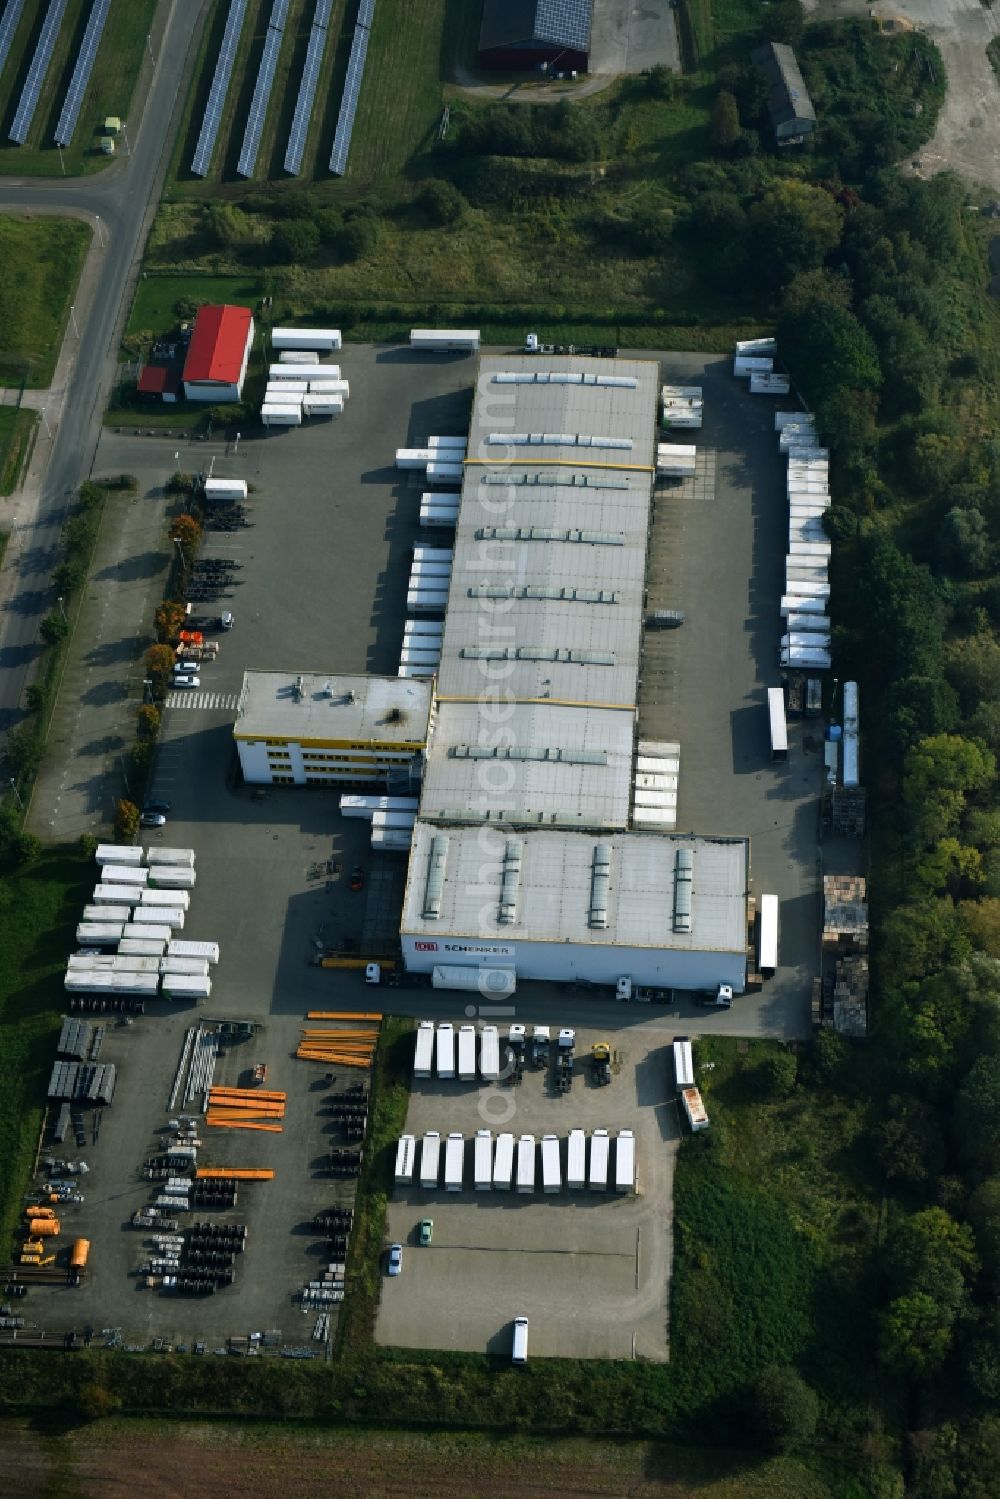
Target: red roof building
point(159, 380)
point(217, 356)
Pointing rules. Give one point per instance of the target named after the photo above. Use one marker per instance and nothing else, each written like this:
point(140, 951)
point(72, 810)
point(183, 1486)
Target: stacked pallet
point(845, 912)
point(845, 952)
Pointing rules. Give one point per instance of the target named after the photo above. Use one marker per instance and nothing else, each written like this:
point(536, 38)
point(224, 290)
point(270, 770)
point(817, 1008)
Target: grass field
point(39, 908)
point(109, 92)
point(17, 428)
point(254, 1461)
point(154, 308)
point(40, 264)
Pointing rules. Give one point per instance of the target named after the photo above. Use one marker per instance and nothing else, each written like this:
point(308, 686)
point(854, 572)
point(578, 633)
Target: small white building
point(307, 728)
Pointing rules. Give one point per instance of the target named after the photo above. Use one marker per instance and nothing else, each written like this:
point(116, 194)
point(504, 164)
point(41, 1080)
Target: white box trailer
point(783, 418)
point(102, 982)
point(526, 1164)
point(815, 551)
point(746, 365)
point(129, 963)
point(576, 1160)
point(807, 590)
point(503, 1162)
point(433, 518)
point(391, 840)
point(749, 348)
point(805, 622)
point(226, 489)
point(406, 1151)
point(430, 1155)
point(99, 933)
point(185, 986)
point(299, 356)
point(385, 821)
point(326, 339)
point(625, 1161)
point(456, 443)
point(366, 805)
point(467, 1053)
point(498, 983)
point(431, 627)
point(454, 1162)
point(423, 1056)
point(444, 340)
point(115, 895)
point(414, 458)
point(184, 857)
point(489, 1054)
point(429, 603)
point(793, 433)
point(429, 660)
point(118, 853)
point(148, 931)
point(445, 1049)
point(282, 391)
point(776, 723)
point(767, 956)
point(807, 451)
point(171, 877)
point(804, 660)
point(281, 416)
point(813, 640)
point(483, 1160)
point(444, 473)
point(331, 387)
point(209, 950)
point(551, 1169)
point(769, 385)
point(321, 405)
point(683, 1063)
point(799, 604)
point(171, 916)
point(180, 900)
point(138, 947)
point(694, 1109)
point(124, 874)
point(599, 1161)
point(107, 913)
point(196, 967)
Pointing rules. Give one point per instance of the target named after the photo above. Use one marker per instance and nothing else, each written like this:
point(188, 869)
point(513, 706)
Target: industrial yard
point(293, 898)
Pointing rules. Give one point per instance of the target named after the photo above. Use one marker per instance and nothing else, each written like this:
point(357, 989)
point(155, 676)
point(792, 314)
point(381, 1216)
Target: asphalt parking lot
point(591, 1270)
point(322, 586)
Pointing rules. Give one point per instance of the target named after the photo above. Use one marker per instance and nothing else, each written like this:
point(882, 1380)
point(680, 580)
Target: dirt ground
point(119, 1459)
point(967, 139)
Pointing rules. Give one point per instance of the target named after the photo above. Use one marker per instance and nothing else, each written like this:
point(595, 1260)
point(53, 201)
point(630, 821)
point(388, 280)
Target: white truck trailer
point(503, 1162)
point(99, 933)
point(697, 1116)
point(182, 856)
point(423, 1057)
point(124, 874)
point(599, 1161)
point(148, 931)
point(209, 950)
point(489, 1056)
point(172, 877)
point(483, 1161)
point(107, 913)
point(445, 1052)
point(454, 1161)
point(551, 1170)
point(467, 1053)
point(406, 1153)
point(444, 340)
point(526, 1164)
point(198, 967)
point(576, 1160)
point(625, 1161)
point(430, 1152)
point(496, 982)
point(284, 415)
point(185, 986)
point(118, 853)
point(138, 948)
point(326, 340)
point(225, 489)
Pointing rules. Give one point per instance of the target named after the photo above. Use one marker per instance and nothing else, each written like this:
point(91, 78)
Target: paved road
point(120, 204)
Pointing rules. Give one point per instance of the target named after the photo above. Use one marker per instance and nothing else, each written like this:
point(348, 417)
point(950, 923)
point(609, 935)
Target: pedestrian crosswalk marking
point(184, 699)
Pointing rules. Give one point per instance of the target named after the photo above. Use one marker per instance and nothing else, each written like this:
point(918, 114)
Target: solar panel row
point(307, 88)
point(81, 73)
point(352, 88)
point(36, 73)
point(262, 89)
point(220, 86)
point(8, 25)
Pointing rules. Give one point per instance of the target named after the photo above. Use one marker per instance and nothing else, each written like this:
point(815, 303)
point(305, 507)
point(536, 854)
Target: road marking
point(185, 699)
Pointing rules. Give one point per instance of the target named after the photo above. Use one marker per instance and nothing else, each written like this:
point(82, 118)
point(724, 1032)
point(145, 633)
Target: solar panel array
point(36, 73)
point(220, 87)
point(352, 88)
point(8, 25)
point(262, 89)
point(307, 87)
point(81, 73)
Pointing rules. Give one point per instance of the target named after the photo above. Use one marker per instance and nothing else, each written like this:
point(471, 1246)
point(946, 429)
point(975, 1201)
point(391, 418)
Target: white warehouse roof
point(302, 706)
point(554, 890)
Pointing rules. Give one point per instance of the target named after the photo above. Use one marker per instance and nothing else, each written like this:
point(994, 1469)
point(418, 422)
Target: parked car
point(186, 666)
point(187, 681)
point(226, 621)
point(157, 804)
point(426, 1230)
point(395, 1259)
point(152, 820)
point(357, 878)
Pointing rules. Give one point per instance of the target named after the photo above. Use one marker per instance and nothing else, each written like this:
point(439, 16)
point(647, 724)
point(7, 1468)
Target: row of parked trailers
point(454, 1053)
point(754, 361)
point(511, 1163)
point(391, 818)
point(805, 639)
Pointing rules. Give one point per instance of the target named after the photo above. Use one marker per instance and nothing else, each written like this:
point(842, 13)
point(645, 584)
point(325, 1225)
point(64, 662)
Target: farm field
point(40, 263)
point(109, 92)
point(266, 1462)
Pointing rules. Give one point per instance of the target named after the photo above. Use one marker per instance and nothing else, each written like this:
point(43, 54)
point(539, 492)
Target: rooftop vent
point(600, 878)
point(683, 886)
point(435, 877)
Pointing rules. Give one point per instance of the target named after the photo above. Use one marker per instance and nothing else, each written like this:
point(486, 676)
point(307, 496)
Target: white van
point(520, 1353)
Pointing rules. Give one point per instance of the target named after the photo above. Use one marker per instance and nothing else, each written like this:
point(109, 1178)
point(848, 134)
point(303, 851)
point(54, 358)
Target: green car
point(426, 1230)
